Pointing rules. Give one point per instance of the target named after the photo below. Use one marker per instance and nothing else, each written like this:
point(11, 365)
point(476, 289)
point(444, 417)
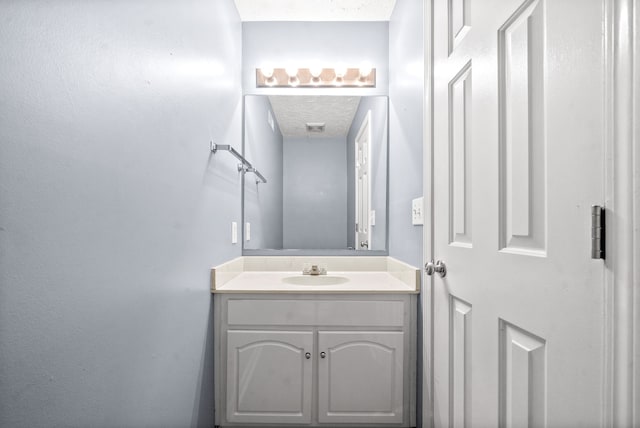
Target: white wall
point(301, 43)
point(112, 208)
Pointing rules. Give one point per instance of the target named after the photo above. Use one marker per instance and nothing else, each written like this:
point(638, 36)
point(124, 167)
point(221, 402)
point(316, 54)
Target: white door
point(360, 377)
point(518, 142)
point(363, 189)
point(269, 376)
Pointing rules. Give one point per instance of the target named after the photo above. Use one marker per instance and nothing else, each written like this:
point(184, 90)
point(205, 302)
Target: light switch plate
point(234, 232)
point(417, 211)
point(247, 231)
point(372, 218)
point(271, 121)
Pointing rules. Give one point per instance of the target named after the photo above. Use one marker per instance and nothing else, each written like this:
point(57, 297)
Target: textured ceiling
point(315, 10)
point(294, 111)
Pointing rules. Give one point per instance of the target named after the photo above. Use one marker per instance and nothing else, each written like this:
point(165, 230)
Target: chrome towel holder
point(244, 166)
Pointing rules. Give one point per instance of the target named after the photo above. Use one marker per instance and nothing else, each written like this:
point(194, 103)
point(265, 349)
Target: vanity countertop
point(344, 275)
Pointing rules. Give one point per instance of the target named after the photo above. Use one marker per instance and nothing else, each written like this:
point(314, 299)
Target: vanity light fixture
point(365, 71)
point(316, 77)
point(267, 72)
point(292, 72)
point(340, 72)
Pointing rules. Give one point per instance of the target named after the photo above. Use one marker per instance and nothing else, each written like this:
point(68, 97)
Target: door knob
point(307, 355)
point(441, 268)
point(438, 267)
point(323, 354)
point(430, 268)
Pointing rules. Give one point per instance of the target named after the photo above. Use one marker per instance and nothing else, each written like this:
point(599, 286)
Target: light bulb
point(340, 71)
point(291, 71)
point(315, 72)
point(365, 70)
point(267, 72)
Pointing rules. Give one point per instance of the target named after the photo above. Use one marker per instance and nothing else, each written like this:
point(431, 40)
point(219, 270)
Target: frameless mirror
point(325, 161)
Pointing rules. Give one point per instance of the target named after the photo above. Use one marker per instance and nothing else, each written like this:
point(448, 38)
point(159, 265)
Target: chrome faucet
point(314, 270)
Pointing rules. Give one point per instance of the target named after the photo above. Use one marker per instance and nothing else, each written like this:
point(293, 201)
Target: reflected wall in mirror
point(325, 159)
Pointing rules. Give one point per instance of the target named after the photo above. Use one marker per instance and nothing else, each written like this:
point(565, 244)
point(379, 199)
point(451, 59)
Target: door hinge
point(597, 232)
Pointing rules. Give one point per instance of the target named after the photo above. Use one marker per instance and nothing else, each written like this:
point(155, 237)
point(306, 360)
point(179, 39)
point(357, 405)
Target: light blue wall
point(263, 148)
point(315, 193)
point(112, 208)
point(406, 95)
point(406, 91)
point(379, 134)
point(301, 43)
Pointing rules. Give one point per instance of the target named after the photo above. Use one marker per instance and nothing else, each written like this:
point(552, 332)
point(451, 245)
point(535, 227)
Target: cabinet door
point(360, 377)
point(269, 376)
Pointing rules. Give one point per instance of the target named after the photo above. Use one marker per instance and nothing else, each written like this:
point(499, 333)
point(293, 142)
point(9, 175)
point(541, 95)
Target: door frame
point(427, 404)
point(621, 181)
point(621, 383)
point(365, 126)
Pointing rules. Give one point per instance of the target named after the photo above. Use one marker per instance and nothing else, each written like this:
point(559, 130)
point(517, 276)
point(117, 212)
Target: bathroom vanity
point(305, 350)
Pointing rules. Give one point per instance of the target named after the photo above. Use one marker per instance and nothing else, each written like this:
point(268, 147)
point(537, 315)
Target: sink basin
point(315, 280)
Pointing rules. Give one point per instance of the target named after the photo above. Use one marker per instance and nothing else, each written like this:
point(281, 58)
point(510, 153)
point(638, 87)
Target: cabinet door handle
point(323, 354)
point(307, 355)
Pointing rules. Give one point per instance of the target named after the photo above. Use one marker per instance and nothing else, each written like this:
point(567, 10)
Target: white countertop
point(344, 275)
point(275, 282)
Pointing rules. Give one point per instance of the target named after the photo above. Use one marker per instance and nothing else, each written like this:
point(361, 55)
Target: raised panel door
point(360, 377)
point(518, 129)
point(269, 376)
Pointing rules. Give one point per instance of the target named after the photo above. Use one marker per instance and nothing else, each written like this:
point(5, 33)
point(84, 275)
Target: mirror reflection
point(325, 160)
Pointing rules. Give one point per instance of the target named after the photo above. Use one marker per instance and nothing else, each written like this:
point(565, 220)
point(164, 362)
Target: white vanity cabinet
point(360, 377)
point(338, 360)
point(268, 376)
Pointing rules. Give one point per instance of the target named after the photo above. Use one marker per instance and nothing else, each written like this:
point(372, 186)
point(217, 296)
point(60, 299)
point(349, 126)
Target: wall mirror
point(325, 159)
